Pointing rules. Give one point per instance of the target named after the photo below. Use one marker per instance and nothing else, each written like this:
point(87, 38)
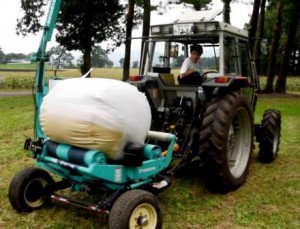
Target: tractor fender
point(223, 85)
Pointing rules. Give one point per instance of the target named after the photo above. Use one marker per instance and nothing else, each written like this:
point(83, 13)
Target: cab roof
point(197, 22)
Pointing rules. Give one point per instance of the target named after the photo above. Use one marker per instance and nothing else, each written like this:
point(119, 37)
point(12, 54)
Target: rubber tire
point(125, 206)
point(269, 136)
point(24, 189)
point(219, 125)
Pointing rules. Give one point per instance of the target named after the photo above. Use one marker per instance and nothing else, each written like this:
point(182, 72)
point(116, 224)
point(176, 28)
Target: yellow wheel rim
point(32, 193)
point(144, 216)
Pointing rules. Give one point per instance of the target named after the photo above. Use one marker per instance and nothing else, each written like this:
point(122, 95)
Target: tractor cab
point(225, 48)
point(225, 63)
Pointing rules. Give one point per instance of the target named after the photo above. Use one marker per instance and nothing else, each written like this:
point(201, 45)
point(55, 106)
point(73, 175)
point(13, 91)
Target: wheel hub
point(144, 216)
point(142, 221)
point(239, 143)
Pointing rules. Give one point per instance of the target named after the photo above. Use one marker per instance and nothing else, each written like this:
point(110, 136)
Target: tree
point(99, 58)
point(9, 57)
point(280, 86)
point(274, 48)
point(2, 56)
point(253, 24)
point(135, 64)
point(59, 56)
point(129, 26)
point(226, 11)
point(261, 35)
point(197, 4)
point(81, 24)
point(121, 61)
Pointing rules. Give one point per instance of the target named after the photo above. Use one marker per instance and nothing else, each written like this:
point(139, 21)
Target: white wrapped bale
point(99, 114)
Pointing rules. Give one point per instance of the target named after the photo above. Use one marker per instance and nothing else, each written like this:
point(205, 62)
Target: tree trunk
point(274, 49)
point(129, 24)
point(146, 30)
point(253, 25)
point(226, 11)
point(261, 27)
point(146, 18)
point(280, 86)
point(86, 61)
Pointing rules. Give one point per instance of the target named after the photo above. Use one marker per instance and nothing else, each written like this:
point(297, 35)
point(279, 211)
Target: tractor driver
point(190, 71)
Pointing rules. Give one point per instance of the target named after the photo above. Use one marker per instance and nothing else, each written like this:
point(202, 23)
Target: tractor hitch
point(35, 146)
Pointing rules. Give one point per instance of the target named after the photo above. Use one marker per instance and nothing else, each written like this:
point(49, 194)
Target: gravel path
point(15, 93)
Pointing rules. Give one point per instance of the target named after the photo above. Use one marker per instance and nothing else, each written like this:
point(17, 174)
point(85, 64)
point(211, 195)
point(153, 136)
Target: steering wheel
point(204, 75)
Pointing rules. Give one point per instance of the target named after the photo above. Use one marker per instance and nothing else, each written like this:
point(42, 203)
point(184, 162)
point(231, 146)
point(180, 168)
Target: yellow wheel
point(143, 216)
point(136, 209)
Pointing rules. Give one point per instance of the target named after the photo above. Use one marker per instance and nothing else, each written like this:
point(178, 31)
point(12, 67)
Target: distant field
point(20, 66)
point(24, 80)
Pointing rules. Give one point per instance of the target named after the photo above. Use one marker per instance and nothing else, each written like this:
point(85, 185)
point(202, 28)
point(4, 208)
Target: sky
point(10, 10)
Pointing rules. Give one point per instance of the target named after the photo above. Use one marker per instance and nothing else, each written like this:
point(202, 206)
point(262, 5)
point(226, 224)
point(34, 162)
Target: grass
point(17, 66)
point(269, 199)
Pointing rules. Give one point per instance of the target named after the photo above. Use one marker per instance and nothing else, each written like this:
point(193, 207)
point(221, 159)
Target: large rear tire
point(269, 136)
point(25, 190)
point(226, 142)
point(136, 209)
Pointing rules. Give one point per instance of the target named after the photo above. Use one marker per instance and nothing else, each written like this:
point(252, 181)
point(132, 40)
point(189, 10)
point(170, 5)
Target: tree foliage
point(197, 4)
point(81, 24)
point(100, 58)
point(59, 57)
point(2, 55)
point(30, 22)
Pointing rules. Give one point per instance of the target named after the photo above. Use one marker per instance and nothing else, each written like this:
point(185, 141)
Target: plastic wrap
point(93, 113)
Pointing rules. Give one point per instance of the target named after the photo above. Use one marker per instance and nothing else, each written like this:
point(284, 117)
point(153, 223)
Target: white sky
point(10, 10)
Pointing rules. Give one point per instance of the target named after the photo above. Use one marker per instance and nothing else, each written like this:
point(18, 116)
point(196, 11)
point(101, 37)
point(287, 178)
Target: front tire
point(269, 136)
point(226, 142)
point(25, 190)
point(136, 209)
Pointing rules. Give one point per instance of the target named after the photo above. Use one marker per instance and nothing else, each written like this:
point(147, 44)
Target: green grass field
point(269, 199)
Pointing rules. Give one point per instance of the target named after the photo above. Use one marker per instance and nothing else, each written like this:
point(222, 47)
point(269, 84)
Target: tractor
point(214, 120)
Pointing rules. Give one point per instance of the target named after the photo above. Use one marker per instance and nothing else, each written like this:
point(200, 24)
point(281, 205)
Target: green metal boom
point(41, 58)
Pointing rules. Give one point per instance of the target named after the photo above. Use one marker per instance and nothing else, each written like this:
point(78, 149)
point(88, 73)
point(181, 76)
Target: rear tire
point(269, 136)
point(226, 142)
point(25, 190)
point(136, 209)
